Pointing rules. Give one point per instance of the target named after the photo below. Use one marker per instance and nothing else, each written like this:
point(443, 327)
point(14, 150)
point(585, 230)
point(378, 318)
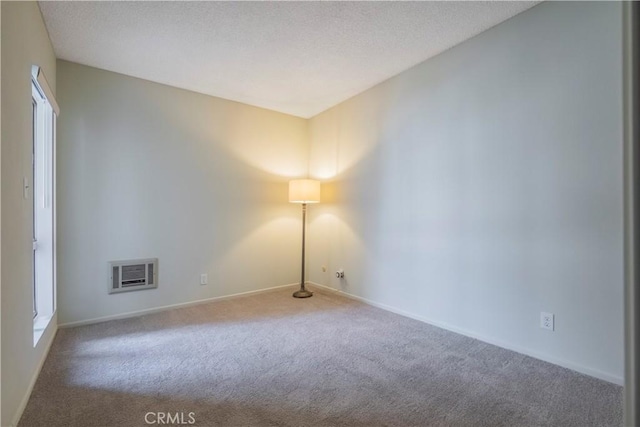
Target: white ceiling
point(299, 58)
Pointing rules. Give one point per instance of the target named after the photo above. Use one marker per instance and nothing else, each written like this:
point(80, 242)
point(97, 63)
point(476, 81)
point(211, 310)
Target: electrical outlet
point(324, 268)
point(204, 279)
point(547, 321)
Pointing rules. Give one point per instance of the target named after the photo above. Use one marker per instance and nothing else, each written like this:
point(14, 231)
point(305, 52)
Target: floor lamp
point(304, 191)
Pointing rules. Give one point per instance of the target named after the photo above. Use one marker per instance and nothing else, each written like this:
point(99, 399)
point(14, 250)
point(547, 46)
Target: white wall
point(485, 185)
point(24, 43)
point(147, 170)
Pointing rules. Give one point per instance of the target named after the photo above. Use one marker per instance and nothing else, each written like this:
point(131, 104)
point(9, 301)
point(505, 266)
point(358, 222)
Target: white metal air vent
point(133, 275)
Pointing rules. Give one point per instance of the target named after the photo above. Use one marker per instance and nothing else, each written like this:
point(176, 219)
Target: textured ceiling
point(295, 57)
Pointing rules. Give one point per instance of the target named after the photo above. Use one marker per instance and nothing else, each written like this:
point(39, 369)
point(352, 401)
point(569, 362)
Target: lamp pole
point(303, 292)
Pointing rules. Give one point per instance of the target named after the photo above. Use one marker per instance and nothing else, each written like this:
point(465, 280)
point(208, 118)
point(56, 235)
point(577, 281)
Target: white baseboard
point(34, 378)
point(556, 361)
point(615, 379)
point(170, 307)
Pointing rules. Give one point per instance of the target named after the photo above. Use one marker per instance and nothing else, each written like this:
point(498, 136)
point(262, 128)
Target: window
point(42, 176)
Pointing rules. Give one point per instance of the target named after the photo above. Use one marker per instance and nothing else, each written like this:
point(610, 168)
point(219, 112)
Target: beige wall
point(24, 43)
point(484, 186)
point(147, 170)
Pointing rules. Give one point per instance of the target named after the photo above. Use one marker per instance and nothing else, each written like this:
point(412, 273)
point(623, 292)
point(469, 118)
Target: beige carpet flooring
point(272, 360)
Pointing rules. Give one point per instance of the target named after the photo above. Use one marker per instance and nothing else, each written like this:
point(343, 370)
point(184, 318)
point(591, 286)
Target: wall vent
point(133, 275)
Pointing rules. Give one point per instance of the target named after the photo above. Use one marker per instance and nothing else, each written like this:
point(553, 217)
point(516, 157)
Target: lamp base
point(302, 293)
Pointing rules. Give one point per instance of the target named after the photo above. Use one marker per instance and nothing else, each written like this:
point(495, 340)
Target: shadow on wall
point(255, 142)
point(343, 229)
point(348, 157)
point(145, 170)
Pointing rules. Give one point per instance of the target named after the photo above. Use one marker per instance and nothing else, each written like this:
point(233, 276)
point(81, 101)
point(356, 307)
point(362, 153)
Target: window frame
point(44, 116)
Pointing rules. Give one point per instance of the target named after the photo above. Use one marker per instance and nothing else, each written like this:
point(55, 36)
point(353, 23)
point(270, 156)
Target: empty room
point(319, 213)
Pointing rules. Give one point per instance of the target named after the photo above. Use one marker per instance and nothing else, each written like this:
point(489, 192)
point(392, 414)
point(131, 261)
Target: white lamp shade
point(304, 191)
